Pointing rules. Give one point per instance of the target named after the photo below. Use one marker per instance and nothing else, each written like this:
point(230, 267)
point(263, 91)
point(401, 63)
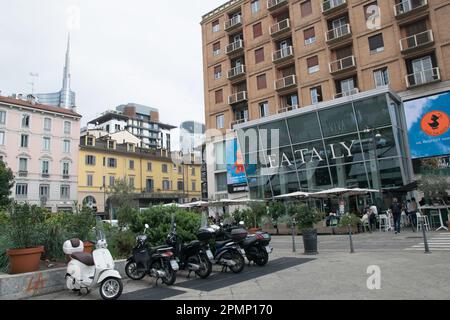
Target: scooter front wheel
point(131, 269)
point(111, 289)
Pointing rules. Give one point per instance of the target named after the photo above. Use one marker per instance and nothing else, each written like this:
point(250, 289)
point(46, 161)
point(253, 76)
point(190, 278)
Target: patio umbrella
point(298, 194)
point(341, 192)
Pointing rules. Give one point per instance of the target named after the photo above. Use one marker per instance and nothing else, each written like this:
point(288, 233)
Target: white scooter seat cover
point(85, 258)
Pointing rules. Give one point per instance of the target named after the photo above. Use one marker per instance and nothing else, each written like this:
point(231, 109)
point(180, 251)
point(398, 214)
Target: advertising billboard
point(428, 121)
point(236, 168)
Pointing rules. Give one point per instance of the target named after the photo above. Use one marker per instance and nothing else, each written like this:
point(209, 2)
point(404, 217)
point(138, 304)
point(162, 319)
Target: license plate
point(269, 249)
point(174, 265)
point(210, 255)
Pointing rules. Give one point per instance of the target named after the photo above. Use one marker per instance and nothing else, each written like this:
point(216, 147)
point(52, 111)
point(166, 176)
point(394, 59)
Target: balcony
point(347, 93)
point(342, 32)
point(283, 54)
point(237, 97)
point(330, 6)
point(23, 174)
point(280, 28)
point(233, 23)
point(287, 108)
point(406, 7)
point(234, 47)
point(275, 4)
point(285, 83)
point(423, 77)
point(236, 72)
point(342, 65)
point(416, 41)
point(45, 175)
point(66, 177)
point(236, 122)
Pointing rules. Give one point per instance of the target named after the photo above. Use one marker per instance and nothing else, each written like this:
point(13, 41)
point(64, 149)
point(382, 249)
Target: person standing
point(373, 216)
point(396, 210)
point(413, 212)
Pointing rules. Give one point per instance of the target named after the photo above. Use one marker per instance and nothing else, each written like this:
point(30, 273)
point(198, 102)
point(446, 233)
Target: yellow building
point(155, 177)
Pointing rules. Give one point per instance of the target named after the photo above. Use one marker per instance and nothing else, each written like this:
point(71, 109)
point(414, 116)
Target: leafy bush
point(349, 219)
point(82, 225)
point(58, 228)
point(26, 226)
point(120, 243)
point(305, 216)
point(5, 244)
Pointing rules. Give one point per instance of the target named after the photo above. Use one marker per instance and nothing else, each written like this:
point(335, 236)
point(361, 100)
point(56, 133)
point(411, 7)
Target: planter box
point(344, 230)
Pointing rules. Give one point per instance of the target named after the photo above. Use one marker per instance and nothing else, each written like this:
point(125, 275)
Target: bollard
point(352, 250)
point(425, 240)
point(293, 235)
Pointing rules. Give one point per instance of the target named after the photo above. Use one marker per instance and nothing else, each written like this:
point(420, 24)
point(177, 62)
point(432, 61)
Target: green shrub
point(82, 225)
point(349, 219)
point(58, 227)
point(26, 226)
point(305, 216)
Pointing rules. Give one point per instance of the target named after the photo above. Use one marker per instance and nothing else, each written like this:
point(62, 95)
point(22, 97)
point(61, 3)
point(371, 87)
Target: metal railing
point(282, 54)
point(342, 64)
point(332, 4)
point(23, 173)
point(235, 122)
point(236, 71)
point(233, 22)
point(347, 93)
point(408, 6)
point(338, 32)
point(235, 46)
point(287, 108)
point(423, 77)
point(285, 82)
point(279, 27)
point(272, 4)
point(237, 97)
point(416, 40)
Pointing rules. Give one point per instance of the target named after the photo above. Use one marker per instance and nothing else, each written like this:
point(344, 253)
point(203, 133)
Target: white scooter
point(85, 270)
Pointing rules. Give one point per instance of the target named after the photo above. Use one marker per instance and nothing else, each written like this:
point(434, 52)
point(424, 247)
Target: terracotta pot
point(24, 260)
point(253, 230)
point(88, 247)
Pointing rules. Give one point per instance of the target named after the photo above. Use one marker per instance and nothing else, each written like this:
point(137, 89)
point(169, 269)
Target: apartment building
point(154, 176)
point(277, 63)
point(40, 145)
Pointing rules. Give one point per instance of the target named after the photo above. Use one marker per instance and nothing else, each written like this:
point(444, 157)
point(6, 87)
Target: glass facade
point(357, 144)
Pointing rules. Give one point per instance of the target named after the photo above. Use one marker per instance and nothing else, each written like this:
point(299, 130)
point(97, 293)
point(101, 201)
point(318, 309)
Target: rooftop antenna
point(33, 81)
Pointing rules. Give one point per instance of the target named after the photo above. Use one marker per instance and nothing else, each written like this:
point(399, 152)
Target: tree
point(121, 194)
point(6, 183)
point(276, 210)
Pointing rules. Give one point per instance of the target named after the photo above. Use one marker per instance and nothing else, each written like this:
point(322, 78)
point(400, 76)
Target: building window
point(24, 141)
point(112, 181)
point(193, 171)
point(45, 167)
point(23, 165)
point(67, 127)
point(309, 35)
point(264, 109)
point(130, 147)
point(221, 182)
point(215, 26)
point(313, 64)
point(131, 182)
point(180, 186)
point(90, 160)
point(180, 169)
point(44, 190)
point(47, 124)
point(66, 146)
point(219, 96)
point(255, 6)
point(257, 30)
point(217, 72)
point(150, 185)
point(259, 55)
point(166, 185)
point(316, 95)
point(149, 166)
point(112, 162)
point(381, 77)
point(131, 164)
point(2, 117)
point(306, 8)
point(90, 141)
point(90, 180)
point(193, 186)
point(376, 43)
point(165, 168)
point(261, 82)
point(25, 121)
point(65, 168)
point(21, 189)
point(111, 144)
point(65, 192)
point(2, 138)
point(46, 144)
point(220, 121)
point(216, 49)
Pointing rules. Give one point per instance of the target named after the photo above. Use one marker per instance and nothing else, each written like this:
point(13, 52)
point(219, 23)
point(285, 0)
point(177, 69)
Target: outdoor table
point(439, 209)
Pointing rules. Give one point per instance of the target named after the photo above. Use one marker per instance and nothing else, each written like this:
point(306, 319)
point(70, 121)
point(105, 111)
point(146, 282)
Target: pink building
point(40, 145)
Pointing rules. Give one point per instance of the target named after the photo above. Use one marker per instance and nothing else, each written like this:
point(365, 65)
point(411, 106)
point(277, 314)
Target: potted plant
point(347, 220)
point(305, 218)
point(276, 210)
point(255, 214)
point(24, 232)
point(83, 224)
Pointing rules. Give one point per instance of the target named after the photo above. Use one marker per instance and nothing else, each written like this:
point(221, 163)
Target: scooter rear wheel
point(111, 289)
point(263, 257)
point(132, 271)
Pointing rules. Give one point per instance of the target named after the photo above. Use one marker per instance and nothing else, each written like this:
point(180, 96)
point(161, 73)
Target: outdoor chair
point(422, 218)
point(434, 218)
point(384, 222)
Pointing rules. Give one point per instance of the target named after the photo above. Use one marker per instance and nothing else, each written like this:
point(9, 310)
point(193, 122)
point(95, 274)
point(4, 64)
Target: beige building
point(264, 58)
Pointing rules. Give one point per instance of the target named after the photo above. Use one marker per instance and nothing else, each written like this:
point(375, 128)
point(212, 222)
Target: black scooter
point(157, 262)
point(194, 256)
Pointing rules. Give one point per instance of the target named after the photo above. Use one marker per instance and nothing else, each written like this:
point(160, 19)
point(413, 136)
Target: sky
point(142, 51)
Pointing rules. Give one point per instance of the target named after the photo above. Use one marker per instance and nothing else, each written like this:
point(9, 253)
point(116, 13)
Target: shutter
point(216, 46)
point(312, 62)
point(344, 53)
point(376, 42)
point(259, 55)
point(261, 82)
point(416, 27)
point(309, 33)
point(257, 30)
point(219, 96)
point(306, 8)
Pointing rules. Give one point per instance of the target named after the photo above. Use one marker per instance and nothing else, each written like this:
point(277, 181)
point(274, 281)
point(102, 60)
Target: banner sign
point(236, 168)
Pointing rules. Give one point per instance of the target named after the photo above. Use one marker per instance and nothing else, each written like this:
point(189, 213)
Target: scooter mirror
point(147, 226)
point(241, 223)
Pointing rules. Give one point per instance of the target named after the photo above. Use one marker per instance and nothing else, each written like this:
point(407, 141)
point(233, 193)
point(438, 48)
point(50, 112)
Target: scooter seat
point(249, 241)
point(220, 244)
point(85, 258)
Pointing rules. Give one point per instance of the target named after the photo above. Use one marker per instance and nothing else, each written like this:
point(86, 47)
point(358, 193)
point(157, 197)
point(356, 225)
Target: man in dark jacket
point(396, 210)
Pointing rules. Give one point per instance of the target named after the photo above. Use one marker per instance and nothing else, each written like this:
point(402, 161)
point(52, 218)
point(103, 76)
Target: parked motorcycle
point(86, 270)
point(194, 256)
point(226, 253)
point(157, 262)
point(256, 246)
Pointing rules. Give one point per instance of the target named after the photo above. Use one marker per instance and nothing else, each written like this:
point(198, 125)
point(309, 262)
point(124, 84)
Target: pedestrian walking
point(413, 213)
point(396, 210)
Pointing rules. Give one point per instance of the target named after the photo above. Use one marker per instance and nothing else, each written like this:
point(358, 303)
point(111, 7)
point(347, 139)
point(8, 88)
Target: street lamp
point(375, 136)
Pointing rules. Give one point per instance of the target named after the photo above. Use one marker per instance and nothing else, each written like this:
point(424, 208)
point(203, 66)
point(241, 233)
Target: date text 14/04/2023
point(226, 310)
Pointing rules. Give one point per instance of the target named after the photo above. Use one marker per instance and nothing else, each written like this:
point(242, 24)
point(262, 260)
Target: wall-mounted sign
point(428, 125)
point(237, 170)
